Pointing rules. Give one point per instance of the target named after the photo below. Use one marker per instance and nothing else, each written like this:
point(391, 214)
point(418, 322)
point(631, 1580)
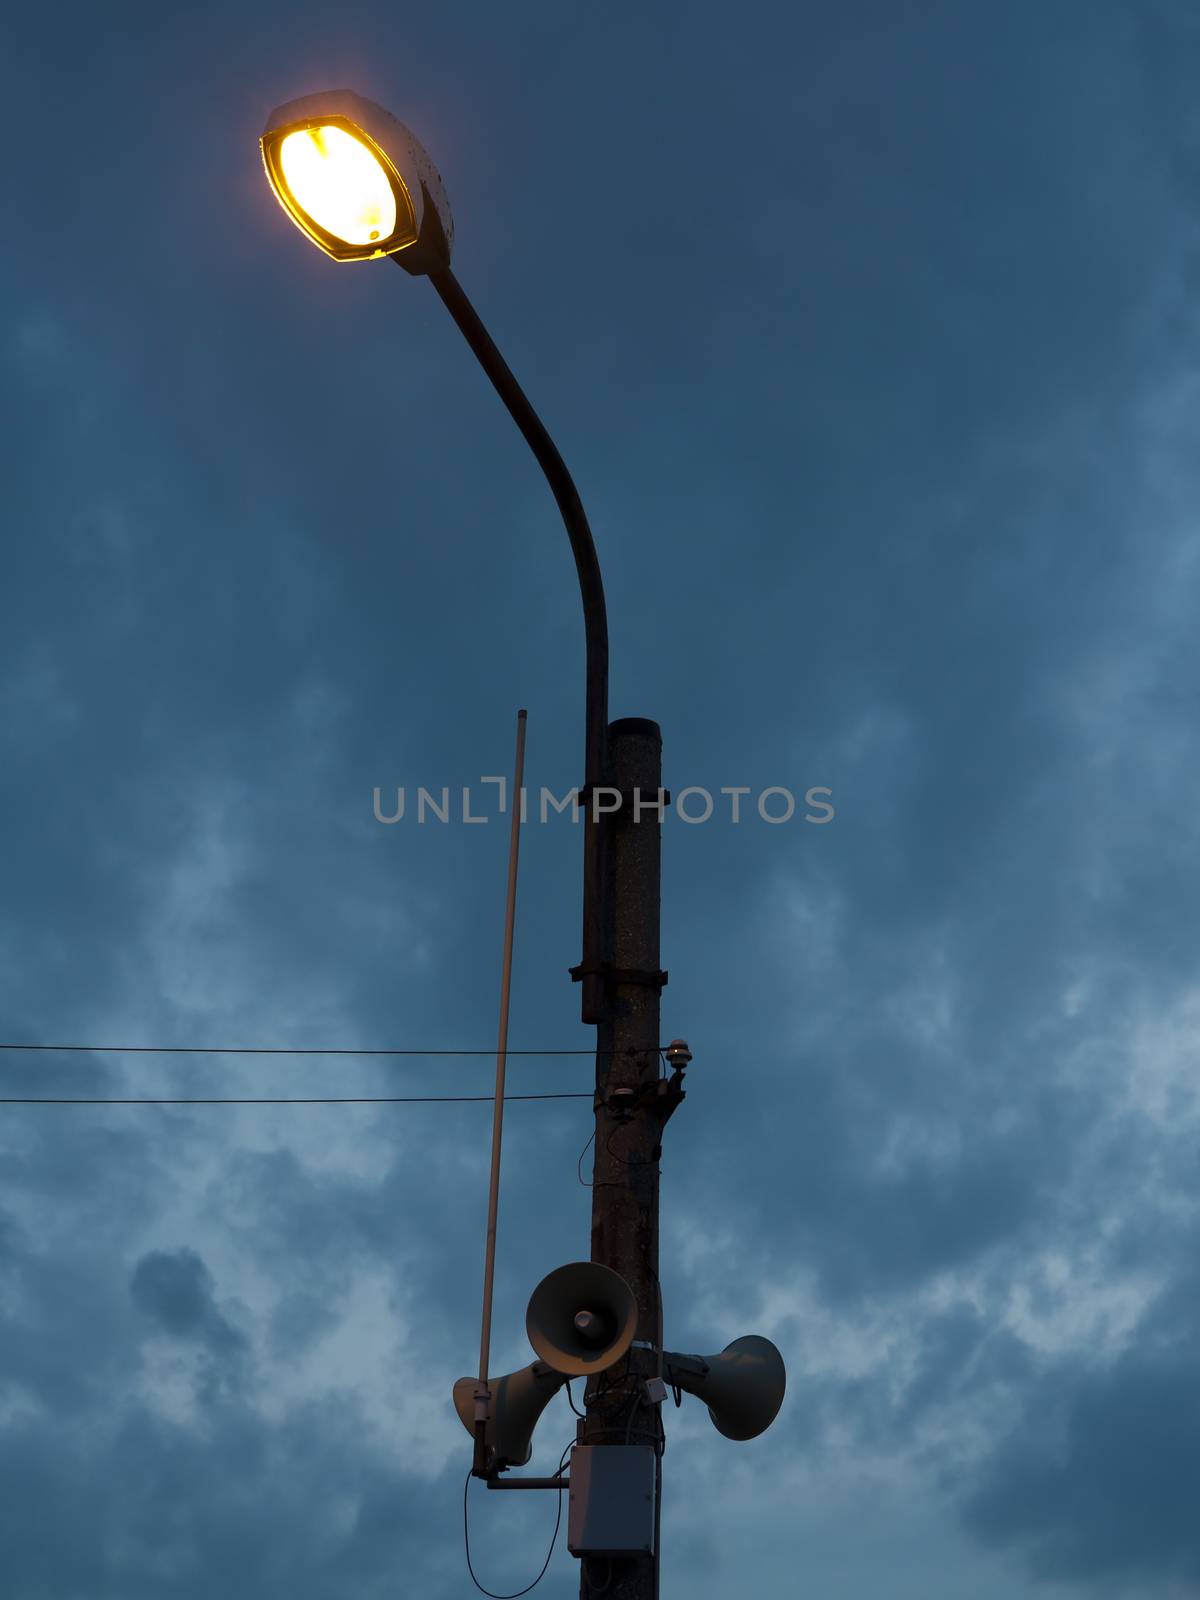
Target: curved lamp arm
point(595, 617)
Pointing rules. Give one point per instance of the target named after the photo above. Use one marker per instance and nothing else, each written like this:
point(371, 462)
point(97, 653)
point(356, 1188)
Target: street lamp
point(357, 183)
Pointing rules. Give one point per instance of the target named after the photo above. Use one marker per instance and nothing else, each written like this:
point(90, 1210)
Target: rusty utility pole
point(632, 1104)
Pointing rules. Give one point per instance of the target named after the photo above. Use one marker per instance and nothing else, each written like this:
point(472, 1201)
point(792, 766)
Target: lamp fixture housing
point(357, 182)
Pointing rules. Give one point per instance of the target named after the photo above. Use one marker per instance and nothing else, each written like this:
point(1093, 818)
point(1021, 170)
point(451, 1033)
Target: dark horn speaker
point(742, 1387)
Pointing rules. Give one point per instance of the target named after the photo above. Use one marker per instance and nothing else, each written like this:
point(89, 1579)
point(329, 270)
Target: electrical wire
point(270, 1100)
point(606, 1387)
point(604, 1183)
point(626, 1401)
point(607, 1409)
point(280, 1050)
point(659, 1434)
point(579, 1163)
point(553, 1538)
point(661, 1332)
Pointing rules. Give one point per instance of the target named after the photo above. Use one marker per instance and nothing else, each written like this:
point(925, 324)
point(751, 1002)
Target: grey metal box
point(611, 1503)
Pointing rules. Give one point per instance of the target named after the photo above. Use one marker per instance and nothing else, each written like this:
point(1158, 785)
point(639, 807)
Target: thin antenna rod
point(482, 1394)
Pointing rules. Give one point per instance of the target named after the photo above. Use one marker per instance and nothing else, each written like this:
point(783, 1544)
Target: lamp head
point(357, 182)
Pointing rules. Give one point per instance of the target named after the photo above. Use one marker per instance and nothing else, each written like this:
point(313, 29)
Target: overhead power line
point(276, 1050)
point(267, 1100)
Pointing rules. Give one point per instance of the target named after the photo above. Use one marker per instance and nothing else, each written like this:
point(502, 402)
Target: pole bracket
point(612, 975)
point(663, 1096)
point(669, 1092)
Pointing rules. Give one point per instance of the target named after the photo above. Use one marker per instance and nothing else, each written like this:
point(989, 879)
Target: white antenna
point(482, 1393)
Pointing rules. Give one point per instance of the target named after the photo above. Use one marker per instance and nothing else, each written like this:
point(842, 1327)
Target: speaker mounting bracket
point(495, 1482)
point(694, 1366)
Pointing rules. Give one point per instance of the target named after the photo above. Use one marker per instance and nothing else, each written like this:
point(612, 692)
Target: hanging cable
point(606, 1386)
point(612, 1402)
point(579, 1163)
point(553, 1538)
point(605, 1183)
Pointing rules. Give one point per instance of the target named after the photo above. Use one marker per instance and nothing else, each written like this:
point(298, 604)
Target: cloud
point(176, 1291)
point(1095, 1483)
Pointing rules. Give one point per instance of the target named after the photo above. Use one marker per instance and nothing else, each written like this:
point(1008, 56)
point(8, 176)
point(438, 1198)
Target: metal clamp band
point(605, 969)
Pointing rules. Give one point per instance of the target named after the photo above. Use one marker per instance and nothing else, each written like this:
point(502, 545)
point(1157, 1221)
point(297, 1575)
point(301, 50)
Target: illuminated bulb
point(339, 183)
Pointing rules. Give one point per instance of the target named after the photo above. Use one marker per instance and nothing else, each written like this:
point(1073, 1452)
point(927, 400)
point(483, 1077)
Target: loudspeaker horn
point(742, 1387)
point(581, 1318)
point(517, 1401)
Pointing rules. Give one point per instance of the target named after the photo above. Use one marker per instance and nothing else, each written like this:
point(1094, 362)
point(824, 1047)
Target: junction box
point(611, 1502)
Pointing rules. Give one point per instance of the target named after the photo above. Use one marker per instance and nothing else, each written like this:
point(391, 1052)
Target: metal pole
point(626, 1163)
point(619, 972)
point(595, 619)
point(489, 1265)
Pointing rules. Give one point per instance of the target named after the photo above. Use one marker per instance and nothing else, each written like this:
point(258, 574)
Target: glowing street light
point(356, 181)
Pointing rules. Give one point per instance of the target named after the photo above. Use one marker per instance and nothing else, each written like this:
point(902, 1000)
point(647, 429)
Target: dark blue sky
point(867, 332)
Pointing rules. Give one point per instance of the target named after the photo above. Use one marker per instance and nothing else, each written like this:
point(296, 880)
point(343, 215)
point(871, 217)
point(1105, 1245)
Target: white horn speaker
point(517, 1401)
point(581, 1318)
